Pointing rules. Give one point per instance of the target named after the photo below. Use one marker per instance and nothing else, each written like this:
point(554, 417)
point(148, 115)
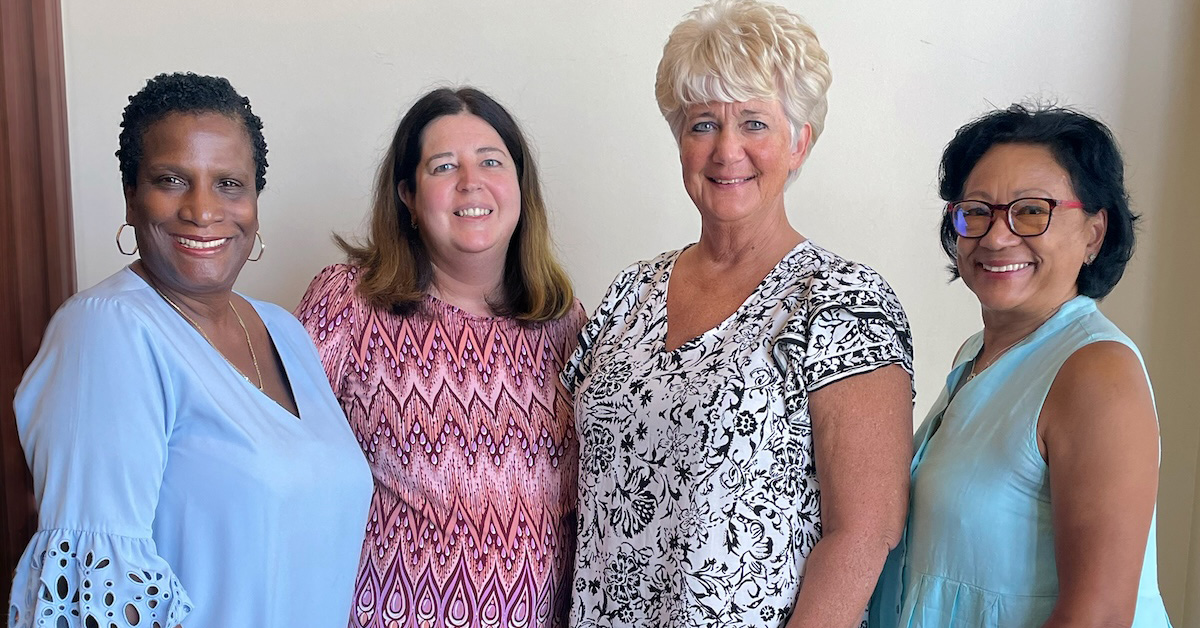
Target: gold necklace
point(200, 329)
point(992, 361)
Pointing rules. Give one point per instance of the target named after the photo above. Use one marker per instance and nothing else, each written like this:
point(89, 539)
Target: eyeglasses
point(1026, 217)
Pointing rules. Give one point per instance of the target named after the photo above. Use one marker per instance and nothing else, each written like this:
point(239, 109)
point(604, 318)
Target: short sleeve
point(580, 363)
point(95, 416)
point(854, 324)
point(327, 311)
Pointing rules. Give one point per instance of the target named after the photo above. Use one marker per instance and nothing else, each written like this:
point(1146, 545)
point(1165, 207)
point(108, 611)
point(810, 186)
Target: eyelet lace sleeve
point(95, 413)
point(73, 578)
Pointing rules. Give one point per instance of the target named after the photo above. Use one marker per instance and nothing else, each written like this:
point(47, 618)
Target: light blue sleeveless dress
point(980, 540)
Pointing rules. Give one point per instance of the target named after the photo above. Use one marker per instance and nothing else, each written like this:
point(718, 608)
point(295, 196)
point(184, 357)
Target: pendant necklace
point(249, 345)
point(992, 361)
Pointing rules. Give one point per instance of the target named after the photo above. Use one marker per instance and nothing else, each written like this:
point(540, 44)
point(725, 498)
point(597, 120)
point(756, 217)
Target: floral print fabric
point(699, 499)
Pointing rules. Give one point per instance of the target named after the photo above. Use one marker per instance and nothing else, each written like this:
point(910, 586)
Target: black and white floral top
point(698, 494)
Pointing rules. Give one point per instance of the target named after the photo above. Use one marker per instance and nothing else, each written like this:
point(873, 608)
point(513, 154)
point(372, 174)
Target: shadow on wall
point(1174, 333)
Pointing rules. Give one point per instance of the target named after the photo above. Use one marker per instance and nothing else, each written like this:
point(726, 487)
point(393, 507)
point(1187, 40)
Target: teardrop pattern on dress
point(472, 443)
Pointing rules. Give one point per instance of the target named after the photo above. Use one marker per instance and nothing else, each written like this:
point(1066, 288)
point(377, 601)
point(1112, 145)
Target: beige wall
point(1157, 301)
point(331, 79)
point(1174, 350)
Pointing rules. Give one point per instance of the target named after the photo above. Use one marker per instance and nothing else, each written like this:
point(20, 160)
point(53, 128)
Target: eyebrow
point(707, 113)
point(160, 167)
point(1018, 194)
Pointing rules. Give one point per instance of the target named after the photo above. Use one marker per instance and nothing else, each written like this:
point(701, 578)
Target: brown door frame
point(37, 253)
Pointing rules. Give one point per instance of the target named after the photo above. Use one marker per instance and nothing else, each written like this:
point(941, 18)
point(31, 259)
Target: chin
point(998, 298)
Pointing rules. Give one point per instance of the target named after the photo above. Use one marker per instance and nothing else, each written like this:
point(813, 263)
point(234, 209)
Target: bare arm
point(862, 441)
point(1100, 439)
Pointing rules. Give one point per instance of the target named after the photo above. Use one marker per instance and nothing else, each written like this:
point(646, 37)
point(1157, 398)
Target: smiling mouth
point(729, 181)
point(1008, 268)
point(473, 212)
point(200, 245)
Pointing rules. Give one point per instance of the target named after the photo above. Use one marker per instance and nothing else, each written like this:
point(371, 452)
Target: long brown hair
point(396, 269)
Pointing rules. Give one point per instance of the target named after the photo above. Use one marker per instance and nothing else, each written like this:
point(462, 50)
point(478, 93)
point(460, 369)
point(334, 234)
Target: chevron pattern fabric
point(471, 440)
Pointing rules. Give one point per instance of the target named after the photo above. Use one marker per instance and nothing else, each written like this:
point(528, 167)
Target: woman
point(1036, 471)
point(744, 404)
point(442, 338)
point(190, 464)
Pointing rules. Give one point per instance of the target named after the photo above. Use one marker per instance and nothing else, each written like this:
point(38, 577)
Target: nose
point(202, 206)
point(728, 148)
point(469, 178)
point(999, 234)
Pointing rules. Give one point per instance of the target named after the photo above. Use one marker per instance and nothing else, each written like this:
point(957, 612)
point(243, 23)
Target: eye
point(703, 127)
point(1031, 207)
point(168, 180)
point(229, 183)
point(971, 208)
point(756, 125)
point(440, 168)
point(491, 163)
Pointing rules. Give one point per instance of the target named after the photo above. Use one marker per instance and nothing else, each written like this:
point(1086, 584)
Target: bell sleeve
point(95, 414)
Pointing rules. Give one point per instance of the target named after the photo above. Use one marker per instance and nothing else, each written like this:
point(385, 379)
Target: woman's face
point(736, 158)
point(467, 199)
point(194, 207)
point(1033, 275)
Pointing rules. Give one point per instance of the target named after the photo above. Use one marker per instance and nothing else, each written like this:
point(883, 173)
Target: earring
point(121, 248)
point(1091, 258)
point(262, 247)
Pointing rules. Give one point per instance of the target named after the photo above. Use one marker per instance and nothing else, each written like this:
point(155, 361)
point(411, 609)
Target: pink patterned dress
point(471, 440)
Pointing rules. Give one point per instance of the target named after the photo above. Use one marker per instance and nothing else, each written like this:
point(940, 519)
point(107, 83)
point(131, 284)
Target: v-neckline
point(283, 361)
point(283, 365)
point(666, 287)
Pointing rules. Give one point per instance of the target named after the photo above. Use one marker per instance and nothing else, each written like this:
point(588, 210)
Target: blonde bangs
point(739, 50)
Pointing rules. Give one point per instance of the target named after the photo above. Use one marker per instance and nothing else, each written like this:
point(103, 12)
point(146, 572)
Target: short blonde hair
point(738, 50)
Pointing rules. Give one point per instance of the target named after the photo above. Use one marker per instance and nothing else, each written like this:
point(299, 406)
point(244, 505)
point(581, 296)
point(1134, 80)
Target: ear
point(405, 196)
point(1097, 226)
point(800, 150)
point(129, 192)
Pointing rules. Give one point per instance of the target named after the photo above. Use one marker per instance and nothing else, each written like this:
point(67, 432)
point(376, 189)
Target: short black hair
point(185, 93)
point(1083, 146)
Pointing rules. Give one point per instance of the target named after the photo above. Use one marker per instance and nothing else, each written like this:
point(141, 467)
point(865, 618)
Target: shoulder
point(644, 270)
point(575, 319)
point(1101, 385)
point(120, 303)
point(835, 279)
point(329, 294)
point(1099, 369)
point(335, 279)
point(827, 288)
point(632, 281)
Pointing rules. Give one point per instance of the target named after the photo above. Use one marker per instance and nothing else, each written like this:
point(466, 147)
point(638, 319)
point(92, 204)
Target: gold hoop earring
point(121, 248)
point(262, 247)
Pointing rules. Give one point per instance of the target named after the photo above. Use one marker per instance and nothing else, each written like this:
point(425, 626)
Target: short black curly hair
point(1083, 146)
point(185, 92)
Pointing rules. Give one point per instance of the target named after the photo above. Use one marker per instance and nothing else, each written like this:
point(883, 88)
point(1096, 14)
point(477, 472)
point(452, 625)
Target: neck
point(467, 286)
point(210, 306)
point(1003, 329)
point(733, 244)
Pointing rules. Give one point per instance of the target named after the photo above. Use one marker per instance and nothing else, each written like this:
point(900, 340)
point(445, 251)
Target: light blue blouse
point(980, 538)
point(169, 488)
